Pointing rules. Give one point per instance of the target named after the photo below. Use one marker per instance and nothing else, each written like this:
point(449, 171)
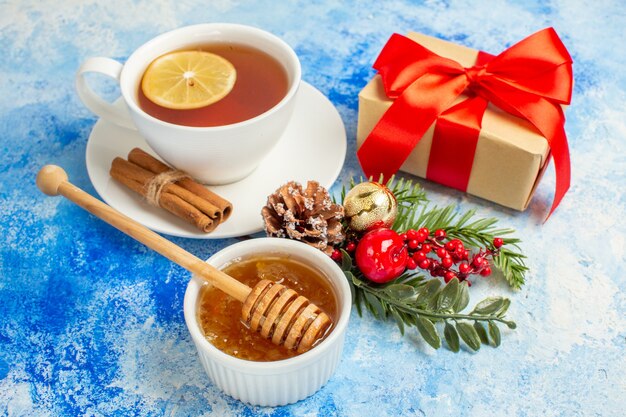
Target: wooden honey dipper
point(272, 309)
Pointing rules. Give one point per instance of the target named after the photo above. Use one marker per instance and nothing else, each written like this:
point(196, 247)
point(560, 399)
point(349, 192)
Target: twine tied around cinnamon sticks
point(155, 186)
point(171, 189)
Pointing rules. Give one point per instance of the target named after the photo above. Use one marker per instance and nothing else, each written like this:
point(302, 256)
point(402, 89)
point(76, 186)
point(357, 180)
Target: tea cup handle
point(108, 111)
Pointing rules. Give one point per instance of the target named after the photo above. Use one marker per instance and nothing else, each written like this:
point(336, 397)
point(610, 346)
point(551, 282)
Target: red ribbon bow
point(530, 80)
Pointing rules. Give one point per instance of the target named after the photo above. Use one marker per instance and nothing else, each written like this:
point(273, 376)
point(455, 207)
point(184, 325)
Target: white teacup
point(213, 155)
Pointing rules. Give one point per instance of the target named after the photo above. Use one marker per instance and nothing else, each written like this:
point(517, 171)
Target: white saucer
point(313, 147)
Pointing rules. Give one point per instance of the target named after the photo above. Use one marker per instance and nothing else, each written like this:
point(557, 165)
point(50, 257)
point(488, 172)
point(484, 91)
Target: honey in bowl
point(261, 82)
point(219, 315)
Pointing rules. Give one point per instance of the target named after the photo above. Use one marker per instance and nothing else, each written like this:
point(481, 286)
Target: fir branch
point(478, 233)
point(414, 212)
point(408, 194)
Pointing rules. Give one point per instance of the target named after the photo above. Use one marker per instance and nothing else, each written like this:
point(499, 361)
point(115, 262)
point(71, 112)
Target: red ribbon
point(530, 80)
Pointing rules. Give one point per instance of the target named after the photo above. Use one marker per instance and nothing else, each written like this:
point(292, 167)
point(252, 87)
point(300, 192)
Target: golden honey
point(219, 315)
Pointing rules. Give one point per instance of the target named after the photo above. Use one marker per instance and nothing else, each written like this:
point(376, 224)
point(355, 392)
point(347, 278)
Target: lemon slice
point(188, 79)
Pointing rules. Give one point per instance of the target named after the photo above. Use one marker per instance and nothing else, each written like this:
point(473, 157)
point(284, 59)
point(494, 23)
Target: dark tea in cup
point(261, 83)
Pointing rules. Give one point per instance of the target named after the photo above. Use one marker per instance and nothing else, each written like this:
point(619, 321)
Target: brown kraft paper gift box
point(511, 155)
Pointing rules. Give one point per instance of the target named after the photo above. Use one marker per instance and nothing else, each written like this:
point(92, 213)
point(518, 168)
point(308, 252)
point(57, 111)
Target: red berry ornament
point(449, 276)
point(440, 234)
point(381, 255)
point(464, 268)
point(419, 256)
point(411, 264)
point(498, 242)
point(478, 261)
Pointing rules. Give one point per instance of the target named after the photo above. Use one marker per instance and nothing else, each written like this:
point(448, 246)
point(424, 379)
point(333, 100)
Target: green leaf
point(469, 335)
point(463, 299)
point(410, 319)
point(400, 291)
point(351, 285)
point(346, 261)
point(494, 332)
point(357, 303)
point(452, 337)
point(377, 308)
point(482, 333)
point(504, 308)
point(448, 296)
point(414, 281)
point(398, 320)
point(429, 332)
point(428, 291)
point(488, 306)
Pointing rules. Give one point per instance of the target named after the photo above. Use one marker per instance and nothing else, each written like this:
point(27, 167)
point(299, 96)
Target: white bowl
point(279, 382)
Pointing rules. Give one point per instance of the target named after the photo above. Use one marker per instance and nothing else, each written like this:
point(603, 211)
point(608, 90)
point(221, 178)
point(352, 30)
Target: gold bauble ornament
point(369, 205)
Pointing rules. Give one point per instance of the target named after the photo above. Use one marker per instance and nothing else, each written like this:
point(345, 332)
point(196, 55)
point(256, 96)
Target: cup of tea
point(224, 141)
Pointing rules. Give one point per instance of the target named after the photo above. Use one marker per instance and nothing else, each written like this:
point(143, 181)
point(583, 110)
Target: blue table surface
point(91, 322)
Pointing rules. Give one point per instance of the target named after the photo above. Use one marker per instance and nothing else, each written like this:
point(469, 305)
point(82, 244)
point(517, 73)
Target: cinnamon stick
point(173, 198)
point(143, 176)
point(141, 158)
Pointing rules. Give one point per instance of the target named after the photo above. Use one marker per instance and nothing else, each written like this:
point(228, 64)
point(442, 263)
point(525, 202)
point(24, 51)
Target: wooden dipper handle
point(270, 308)
point(53, 181)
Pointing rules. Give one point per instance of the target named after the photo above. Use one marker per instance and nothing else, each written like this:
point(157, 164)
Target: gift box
point(510, 153)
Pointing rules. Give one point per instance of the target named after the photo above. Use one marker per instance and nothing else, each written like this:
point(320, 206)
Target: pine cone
point(307, 215)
